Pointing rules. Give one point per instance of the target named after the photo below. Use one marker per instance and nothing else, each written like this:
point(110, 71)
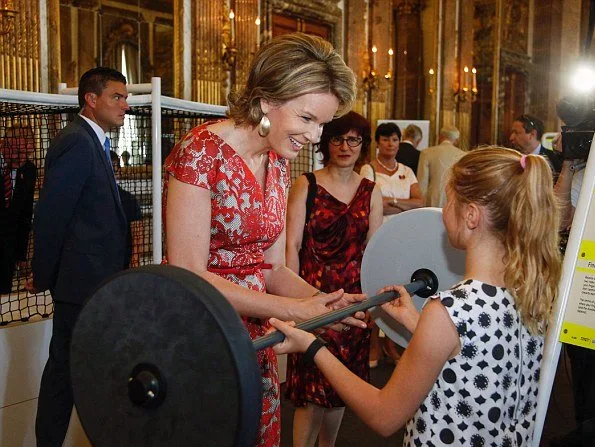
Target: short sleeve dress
point(487, 394)
point(245, 221)
point(330, 259)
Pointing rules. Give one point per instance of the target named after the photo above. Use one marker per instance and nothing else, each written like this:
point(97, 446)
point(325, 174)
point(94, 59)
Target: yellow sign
point(575, 334)
point(578, 327)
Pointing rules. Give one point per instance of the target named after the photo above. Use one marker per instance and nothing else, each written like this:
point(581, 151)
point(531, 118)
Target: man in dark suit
point(408, 153)
point(80, 233)
point(16, 191)
point(525, 136)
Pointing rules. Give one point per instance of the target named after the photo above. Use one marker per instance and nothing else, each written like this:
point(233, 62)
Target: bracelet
point(314, 347)
point(395, 202)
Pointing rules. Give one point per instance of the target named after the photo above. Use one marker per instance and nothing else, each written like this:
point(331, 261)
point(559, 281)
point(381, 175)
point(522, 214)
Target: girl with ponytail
point(470, 373)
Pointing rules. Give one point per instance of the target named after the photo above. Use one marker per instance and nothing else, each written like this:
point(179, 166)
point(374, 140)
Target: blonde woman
point(227, 190)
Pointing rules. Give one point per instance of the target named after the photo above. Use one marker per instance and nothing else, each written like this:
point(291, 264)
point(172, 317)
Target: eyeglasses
point(351, 141)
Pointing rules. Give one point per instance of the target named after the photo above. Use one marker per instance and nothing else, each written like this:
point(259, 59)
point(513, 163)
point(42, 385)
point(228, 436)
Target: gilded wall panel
point(19, 46)
point(247, 37)
point(325, 11)
point(212, 34)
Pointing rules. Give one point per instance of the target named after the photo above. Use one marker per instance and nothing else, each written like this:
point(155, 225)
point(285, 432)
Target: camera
point(578, 113)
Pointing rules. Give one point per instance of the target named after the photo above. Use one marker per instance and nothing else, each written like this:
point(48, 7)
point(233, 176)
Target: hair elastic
point(523, 161)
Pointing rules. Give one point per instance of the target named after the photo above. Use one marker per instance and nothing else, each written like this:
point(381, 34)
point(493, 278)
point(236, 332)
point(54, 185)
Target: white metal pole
point(552, 349)
point(156, 175)
point(130, 88)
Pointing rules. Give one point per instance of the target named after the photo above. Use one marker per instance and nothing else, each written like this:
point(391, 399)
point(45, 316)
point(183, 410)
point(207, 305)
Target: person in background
point(16, 209)
point(408, 153)
point(134, 235)
point(400, 192)
point(79, 233)
point(126, 158)
point(226, 193)
point(332, 214)
point(525, 137)
point(435, 163)
point(399, 186)
point(470, 373)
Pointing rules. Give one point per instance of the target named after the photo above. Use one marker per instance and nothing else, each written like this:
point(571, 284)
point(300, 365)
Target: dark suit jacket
point(15, 223)
point(16, 219)
point(79, 225)
point(408, 155)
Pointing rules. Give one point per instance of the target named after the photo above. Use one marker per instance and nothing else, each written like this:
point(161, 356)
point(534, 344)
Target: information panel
point(578, 327)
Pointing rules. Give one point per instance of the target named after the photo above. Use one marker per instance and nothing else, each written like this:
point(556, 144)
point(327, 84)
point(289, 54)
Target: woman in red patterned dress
point(326, 237)
point(227, 187)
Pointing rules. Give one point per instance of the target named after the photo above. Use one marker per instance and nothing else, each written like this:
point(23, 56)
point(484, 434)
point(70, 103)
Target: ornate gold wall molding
point(322, 10)
point(408, 7)
point(519, 61)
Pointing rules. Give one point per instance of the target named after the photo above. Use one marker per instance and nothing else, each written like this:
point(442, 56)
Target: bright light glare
point(583, 79)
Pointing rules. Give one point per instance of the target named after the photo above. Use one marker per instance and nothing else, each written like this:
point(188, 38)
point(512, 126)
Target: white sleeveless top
point(487, 394)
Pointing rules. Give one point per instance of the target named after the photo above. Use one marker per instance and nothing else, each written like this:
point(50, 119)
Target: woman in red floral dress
point(226, 193)
point(326, 236)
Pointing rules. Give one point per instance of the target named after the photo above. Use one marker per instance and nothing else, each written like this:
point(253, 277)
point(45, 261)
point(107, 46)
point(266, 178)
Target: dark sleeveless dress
point(330, 259)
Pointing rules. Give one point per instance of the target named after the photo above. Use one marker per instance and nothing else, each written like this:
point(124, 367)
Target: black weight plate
point(177, 322)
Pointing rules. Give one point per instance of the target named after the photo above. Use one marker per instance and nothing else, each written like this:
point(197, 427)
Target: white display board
point(424, 125)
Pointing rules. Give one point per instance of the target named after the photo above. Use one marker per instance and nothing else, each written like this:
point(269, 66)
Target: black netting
point(27, 130)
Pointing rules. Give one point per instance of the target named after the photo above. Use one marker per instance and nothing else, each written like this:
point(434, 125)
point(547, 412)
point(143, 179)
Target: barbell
point(160, 357)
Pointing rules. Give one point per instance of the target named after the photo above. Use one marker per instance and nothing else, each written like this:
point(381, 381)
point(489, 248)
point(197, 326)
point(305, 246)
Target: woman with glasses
point(332, 213)
point(400, 190)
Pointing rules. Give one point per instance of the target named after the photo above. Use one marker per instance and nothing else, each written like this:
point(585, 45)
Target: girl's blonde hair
point(289, 66)
point(517, 192)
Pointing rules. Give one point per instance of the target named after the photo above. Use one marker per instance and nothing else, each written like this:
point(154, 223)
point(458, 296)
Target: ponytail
point(517, 192)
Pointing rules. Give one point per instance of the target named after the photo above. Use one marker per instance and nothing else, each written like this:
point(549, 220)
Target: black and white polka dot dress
point(487, 394)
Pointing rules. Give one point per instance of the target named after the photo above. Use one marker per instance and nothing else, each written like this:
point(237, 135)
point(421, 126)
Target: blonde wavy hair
point(289, 66)
point(523, 211)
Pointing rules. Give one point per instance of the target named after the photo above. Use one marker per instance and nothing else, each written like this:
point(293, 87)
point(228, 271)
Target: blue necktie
point(106, 146)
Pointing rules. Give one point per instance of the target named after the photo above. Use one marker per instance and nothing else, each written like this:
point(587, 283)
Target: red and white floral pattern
point(245, 221)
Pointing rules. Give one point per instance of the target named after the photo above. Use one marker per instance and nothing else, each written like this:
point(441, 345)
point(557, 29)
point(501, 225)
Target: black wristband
point(314, 347)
